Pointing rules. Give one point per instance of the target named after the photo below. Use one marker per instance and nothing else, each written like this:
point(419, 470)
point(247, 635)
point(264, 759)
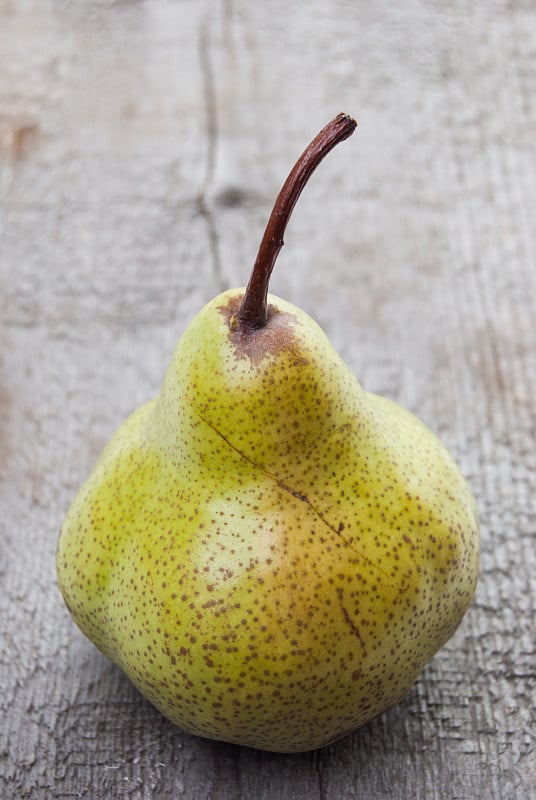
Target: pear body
point(269, 552)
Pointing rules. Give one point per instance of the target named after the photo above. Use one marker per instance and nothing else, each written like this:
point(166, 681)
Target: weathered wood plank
point(141, 146)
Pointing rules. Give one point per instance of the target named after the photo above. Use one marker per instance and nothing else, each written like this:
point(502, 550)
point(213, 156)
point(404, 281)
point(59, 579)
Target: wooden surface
point(141, 146)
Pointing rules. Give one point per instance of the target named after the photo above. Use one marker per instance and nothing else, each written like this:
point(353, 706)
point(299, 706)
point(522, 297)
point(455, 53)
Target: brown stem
point(253, 311)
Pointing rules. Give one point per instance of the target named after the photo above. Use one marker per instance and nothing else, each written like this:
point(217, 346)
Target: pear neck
point(253, 312)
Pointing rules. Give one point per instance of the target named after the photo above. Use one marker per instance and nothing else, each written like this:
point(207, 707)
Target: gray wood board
point(141, 146)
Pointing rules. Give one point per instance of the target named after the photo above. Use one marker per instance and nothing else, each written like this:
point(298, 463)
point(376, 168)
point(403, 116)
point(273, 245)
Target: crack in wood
point(209, 86)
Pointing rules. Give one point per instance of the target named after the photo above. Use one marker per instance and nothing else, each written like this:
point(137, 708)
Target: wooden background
point(141, 146)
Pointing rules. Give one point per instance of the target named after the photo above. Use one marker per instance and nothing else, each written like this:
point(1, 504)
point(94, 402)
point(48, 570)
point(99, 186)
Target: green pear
point(271, 553)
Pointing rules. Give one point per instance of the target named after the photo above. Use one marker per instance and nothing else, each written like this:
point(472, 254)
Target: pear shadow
point(390, 725)
point(116, 687)
point(131, 736)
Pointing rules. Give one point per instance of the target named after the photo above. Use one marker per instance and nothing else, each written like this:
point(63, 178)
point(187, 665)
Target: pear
point(270, 553)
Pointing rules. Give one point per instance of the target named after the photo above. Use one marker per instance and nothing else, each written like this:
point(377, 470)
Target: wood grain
point(141, 146)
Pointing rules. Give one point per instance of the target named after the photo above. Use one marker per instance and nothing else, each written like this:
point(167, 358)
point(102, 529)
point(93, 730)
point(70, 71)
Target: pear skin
point(270, 553)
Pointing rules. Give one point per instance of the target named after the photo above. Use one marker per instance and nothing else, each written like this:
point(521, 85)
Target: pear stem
point(253, 311)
